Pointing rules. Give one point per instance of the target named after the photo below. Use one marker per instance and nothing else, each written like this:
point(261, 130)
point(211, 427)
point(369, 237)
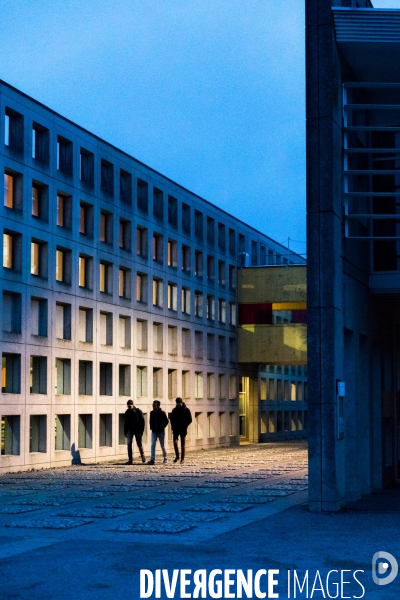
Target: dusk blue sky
point(208, 92)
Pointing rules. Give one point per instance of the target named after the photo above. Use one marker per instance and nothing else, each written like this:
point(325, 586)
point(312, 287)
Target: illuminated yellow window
point(7, 251)
point(35, 202)
point(155, 292)
point(59, 265)
point(60, 211)
point(103, 274)
point(8, 191)
point(35, 249)
point(3, 372)
point(122, 283)
point(82, 271)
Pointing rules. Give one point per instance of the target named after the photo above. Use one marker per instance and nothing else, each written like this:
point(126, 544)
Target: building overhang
point(369, 40)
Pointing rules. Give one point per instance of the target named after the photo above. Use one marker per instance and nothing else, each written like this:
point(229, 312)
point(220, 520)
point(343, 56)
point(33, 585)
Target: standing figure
point(181, 418)
point(134, 427)
point(158, 423)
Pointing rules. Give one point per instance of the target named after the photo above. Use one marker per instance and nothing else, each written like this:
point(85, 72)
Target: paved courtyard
point(84, 532)
point(213, 492)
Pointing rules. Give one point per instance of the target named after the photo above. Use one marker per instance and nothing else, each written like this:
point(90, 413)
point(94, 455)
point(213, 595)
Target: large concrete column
point(324, 276)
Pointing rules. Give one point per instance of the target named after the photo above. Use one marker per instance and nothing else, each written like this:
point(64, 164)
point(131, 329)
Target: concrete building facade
point(115, 283)
point(353, 128)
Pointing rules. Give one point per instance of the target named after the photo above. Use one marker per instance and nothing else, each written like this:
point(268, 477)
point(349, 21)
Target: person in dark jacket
point(134, 428)
point(158, 423)
point(181, 417)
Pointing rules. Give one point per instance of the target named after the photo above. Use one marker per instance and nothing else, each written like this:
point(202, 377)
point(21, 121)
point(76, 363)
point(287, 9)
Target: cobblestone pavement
point(213, 492)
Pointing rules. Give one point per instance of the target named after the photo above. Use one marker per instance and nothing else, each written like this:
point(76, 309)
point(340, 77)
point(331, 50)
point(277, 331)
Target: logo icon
point(384, 568)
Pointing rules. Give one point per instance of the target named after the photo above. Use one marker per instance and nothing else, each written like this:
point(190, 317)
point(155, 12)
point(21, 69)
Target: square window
point(172, 296)
point(186, 301)
point(158, 289)
point(38, 375)
point(85, 431)
point(63, 376)
point(105, 430)
point(141, 242)
point(86, 167)
point(40, 194)
point(14, 131)
point(38, 317)
point(106, 227)
point(124, 241)
point(63, 321)
point(10, 434)
point(142, 196)
point(105, 280)
point(64, 156)
point(85, 378)
point(107, 177)
point(125, 187)
point(158, 204)
point(86, 219)
point(172, 254)
point(105, 372)
point(172, 211)
point(141, 287)
point(38, 433)
point(11, 373)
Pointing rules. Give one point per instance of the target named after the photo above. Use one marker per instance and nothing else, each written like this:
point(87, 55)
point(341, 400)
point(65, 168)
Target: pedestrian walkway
point(213, 492)
point(84, 532)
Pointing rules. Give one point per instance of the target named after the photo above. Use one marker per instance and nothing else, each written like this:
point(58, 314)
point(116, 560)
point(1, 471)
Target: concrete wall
point(340, 336)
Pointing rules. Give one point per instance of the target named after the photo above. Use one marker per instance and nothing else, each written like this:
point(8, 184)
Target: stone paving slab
point(272, 492)
point(197, 490)
point(130, 505)
point(167, 496)
point(17, 510)
point(152, 527)
point(18, 492)
point(196, 517)
point(93, 513)
point(250, 499)
point(49, 523)
point(44, 501)
point(88, 494)
point(220, 506)
point(216, 484)
point(139, 484)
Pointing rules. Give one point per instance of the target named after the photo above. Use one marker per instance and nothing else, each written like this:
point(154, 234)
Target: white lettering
point(272, 583)
point(215, 590)
point(146, 579)
point(305, 581)
point(158, 583)
point(200, 579)
point(359, 582)
point(319, 589)
point(243, 584)
point(184, 583)
point(228, 583)
point(343, 582)
point(257, 578)
point(334, 585)
point(170, 588)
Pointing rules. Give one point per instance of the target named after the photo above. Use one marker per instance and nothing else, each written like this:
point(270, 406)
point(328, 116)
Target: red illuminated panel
point(255, 314)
